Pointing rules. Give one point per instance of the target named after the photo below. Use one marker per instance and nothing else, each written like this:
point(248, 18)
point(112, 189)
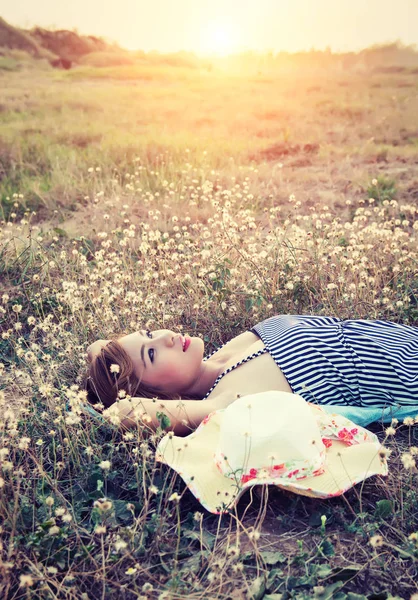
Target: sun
point(219, 38)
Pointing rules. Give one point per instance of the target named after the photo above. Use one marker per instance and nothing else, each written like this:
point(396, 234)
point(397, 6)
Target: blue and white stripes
point(347, 363)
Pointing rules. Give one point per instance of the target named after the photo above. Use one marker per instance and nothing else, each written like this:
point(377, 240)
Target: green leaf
point(163, 420)
point(95, 495)
point(272, 558)
point(99, 485)
point(60, 232)
point(247, 555)
point(327, 548)
point(257, 589)
point(132, 485)
point(121, 512)
point(272, 577)
point(329, 592)
point(207, 539)
point(91, 483)
point(47, 524)
point(194, 563)
point(27, 515)
point(324, 571)
point(96, 517)
point(384, 508)
point(249, 302)
point(353, 596)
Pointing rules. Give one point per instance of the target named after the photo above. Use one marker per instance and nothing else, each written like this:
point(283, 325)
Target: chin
point(199, 343)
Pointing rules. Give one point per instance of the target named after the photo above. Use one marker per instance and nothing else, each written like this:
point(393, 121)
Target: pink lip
point(187, 343)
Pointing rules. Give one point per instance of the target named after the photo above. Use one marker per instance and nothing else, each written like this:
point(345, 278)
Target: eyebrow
point(142, 349)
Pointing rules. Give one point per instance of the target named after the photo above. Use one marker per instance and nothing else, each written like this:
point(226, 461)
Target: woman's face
point(164, 360)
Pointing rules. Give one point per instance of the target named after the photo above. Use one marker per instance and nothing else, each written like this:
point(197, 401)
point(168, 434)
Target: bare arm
point(184, 415)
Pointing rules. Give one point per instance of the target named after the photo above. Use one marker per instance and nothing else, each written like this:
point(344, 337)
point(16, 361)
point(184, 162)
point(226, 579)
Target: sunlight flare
point(219, 38)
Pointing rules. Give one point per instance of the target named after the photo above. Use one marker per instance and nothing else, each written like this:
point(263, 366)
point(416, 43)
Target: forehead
point(131, 340)
point(132, 344)
point(129, 336)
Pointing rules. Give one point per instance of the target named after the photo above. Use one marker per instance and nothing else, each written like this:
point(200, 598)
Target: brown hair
point(103, 387)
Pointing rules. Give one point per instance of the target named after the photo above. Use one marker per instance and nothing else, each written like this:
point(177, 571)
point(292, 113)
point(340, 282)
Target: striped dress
point(356, 363)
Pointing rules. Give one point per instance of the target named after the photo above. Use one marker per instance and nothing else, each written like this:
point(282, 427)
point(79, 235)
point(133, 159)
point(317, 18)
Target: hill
point(44, 43)
point(18, 39)
point(68, 45)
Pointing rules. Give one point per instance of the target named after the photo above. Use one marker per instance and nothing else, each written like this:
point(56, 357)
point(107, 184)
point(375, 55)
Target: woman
point(361, 369)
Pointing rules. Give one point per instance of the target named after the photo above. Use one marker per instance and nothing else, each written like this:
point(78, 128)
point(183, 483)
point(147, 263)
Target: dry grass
point(204, 204)
point(51, 137)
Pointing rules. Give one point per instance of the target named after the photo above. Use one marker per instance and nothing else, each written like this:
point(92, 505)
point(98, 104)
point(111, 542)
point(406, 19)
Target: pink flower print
point(279, 469)
point(251, 475)
point(327, 443)
point(293, 473)
point(347, 436)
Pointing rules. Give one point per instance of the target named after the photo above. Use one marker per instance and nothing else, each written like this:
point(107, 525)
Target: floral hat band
point(256, 437)
point(272, 438)
point(297, 469)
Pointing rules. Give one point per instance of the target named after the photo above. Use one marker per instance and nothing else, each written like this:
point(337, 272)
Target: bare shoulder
point(237, 345)
point(248, 337)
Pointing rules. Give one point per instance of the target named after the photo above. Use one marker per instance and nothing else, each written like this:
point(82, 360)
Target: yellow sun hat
point(273, 438)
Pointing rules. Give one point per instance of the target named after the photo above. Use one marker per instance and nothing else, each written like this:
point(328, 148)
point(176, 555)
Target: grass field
point(202, 201)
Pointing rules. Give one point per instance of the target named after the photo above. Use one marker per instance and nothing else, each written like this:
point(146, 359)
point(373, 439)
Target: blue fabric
point(364, 415)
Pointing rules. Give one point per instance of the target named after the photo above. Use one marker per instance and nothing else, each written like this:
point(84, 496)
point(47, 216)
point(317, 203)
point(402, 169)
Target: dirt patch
point(284, 149)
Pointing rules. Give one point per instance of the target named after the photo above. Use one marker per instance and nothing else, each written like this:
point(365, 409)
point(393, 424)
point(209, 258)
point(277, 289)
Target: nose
point(172, 338)
point(167, 337)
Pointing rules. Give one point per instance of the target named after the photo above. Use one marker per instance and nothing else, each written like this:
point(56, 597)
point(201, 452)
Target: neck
point(210, 371)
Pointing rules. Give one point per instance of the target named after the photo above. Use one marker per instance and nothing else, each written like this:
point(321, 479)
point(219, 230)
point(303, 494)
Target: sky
point(226, 26)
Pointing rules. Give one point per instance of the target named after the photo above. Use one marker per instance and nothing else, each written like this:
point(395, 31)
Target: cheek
point(173, 371)
point(179, 371)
